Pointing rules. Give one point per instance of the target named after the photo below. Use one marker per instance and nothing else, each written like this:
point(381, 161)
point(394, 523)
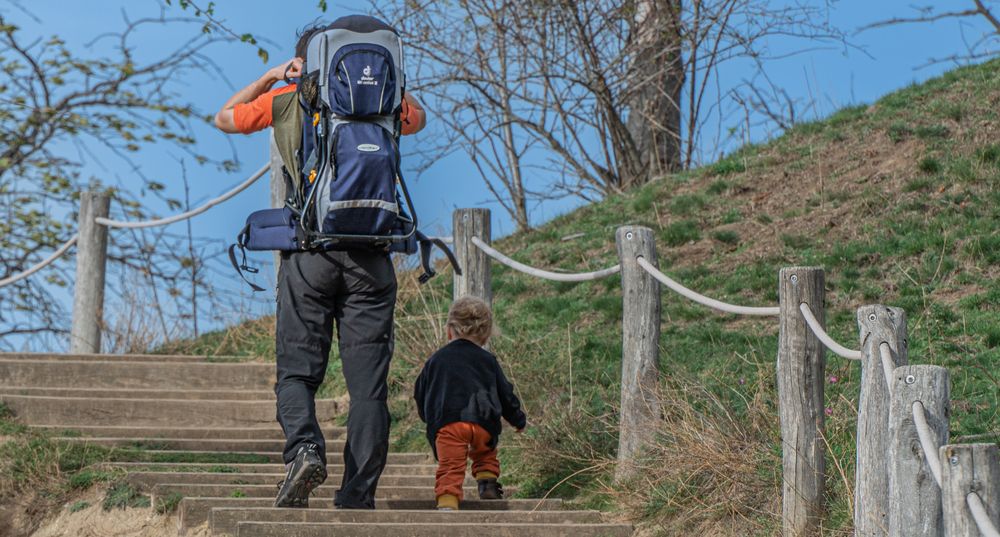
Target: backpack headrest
point(361, 23)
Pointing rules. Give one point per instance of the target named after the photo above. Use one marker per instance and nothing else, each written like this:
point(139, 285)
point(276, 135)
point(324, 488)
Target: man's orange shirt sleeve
point(256, 114)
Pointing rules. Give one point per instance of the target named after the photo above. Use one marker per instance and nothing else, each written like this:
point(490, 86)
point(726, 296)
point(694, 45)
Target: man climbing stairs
point(199, 435)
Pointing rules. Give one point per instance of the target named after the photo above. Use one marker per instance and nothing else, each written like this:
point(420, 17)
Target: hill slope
point(899, 202)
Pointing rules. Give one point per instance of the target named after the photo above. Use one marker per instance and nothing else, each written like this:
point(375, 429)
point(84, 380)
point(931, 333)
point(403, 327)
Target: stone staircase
point(203, 436)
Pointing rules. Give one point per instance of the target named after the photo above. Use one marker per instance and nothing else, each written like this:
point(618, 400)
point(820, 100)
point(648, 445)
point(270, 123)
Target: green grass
point(122, 496)
point(78, 506)
point(168, 504)
point(913, 224)
point(726, 236)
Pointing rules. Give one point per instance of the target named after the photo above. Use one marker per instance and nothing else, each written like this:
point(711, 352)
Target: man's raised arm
point(224, 117)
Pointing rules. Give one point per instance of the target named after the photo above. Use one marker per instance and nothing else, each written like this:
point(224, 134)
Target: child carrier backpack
point(343, 176)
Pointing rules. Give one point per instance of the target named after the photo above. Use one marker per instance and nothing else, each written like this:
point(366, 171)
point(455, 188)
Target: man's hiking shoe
point(490, 489)
point(305, 473)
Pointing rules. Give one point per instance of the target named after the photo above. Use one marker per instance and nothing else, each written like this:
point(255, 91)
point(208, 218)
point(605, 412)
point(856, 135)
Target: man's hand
point(290, 69)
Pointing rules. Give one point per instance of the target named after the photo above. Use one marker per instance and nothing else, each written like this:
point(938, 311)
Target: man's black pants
point(357, 290)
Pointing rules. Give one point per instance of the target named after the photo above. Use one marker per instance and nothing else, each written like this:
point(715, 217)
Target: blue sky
point(834, 77)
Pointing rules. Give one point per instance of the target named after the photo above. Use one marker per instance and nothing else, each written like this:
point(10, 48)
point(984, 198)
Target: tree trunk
point(656, 77)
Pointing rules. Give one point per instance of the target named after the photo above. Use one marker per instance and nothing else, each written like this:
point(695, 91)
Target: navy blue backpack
point(349, 191)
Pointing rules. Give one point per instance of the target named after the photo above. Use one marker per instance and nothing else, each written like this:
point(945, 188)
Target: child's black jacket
point(464, 382)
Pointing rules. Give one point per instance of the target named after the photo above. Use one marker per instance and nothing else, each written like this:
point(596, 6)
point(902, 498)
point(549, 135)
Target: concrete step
point(186, 444)
point(272, 432)
point(193, 512)
point(306, 529)
point(226, 395)
point(32, 410)
point(137, 375)
point(148, 480)
point(223, 521)
point(187, 490)
point(173, 358)
point(257, 457)
point(276, 469)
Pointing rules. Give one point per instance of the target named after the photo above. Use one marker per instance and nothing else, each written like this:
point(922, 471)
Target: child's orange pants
point(455, 443)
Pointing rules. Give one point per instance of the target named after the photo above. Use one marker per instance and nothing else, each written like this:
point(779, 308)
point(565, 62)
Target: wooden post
point(801, 366)
point(966, 469)
point(640, 405)
point(914, 496)
point(476, 268)
point(278, 193)
point(91, 262)
point(878, 324)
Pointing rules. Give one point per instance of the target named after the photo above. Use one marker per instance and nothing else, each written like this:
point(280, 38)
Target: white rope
point(888, 366)
point(927, 441)
point(980, 515)
point(837, 348)
point(42, 264)
point(539, 273)
point(193, 212)
point(702, 299)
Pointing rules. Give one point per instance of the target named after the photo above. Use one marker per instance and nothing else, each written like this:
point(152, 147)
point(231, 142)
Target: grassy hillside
point(899, 201)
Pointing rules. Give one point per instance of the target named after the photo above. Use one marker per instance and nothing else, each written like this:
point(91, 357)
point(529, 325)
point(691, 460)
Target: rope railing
point(134, 225)
point(185, 215)
point(825, 338)
point(980, 516)
point(888, 366)
point(544, 274)
point(41, 264)
point(702, 299)
point(927, 441)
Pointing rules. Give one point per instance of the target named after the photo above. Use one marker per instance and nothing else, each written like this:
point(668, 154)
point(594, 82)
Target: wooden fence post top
point(468, 214)
point(788, 271)
point(633, 241)
point(954, 455)
point(789, 278)
point(909, 378)
point(881, 321)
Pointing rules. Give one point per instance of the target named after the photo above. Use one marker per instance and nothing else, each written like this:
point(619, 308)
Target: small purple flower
point(742, 381)
point(833, 379)
point(828, 411)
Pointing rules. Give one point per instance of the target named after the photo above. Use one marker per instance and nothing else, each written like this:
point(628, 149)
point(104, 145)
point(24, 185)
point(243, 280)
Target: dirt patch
point(19, 516)
point(83, 516)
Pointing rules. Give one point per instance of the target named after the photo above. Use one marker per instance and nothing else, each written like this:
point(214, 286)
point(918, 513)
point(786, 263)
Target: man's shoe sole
point(296, 493)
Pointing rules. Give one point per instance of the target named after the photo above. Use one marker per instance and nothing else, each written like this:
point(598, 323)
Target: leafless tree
point(61, 105)
point(980, 47)
point(554, 98)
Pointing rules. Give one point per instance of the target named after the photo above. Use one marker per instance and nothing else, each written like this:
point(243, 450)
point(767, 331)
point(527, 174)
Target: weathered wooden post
point(914, 496)
point(878, 325)
point(969, 469)
point(91, 262)
point(279, 190)
point(640, 405)
point(801, 366)
point(476, 272)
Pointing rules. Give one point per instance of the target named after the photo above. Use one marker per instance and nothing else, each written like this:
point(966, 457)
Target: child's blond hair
point(470, 317)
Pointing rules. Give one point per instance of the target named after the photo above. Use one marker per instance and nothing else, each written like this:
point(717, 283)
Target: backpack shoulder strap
point(287, 123)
